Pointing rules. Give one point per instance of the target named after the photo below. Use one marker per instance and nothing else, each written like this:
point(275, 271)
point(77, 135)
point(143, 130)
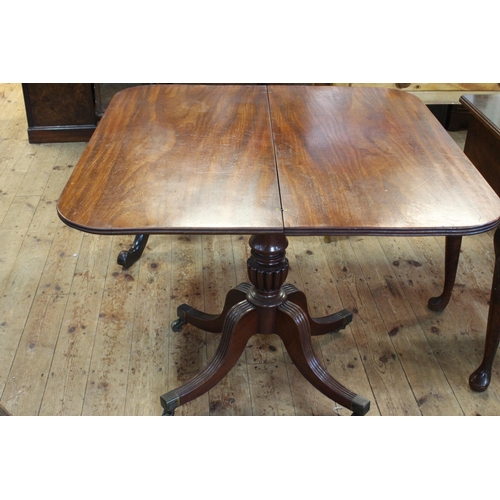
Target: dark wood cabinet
point(59, 112)
point(66, 112)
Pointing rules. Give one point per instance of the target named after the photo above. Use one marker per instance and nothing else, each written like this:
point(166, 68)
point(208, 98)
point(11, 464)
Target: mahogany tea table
point(274, 161)
point(482, 147)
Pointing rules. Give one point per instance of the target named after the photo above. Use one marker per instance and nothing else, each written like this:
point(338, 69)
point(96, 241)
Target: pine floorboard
point(81, 336)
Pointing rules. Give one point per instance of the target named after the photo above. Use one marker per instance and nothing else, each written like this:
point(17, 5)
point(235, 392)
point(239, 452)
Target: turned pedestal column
point(266, 305)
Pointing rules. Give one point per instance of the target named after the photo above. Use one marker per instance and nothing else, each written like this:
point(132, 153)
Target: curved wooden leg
point(127, 258)
point(481, 377)
point(292, 326)
point(452, 255)
point(240, 325)
point(266, 306)
point(210, 322)
point(319, 326)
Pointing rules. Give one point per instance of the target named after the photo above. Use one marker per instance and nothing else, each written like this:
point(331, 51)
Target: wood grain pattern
point(65, 389)
point(148, 373)
point(59, 111)
point(199, 159)
point(372, 161)
point(178, 159)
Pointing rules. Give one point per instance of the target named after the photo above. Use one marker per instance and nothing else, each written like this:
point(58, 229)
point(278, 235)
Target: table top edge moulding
point(155, 149)
point(391, 176)
point(486, 108)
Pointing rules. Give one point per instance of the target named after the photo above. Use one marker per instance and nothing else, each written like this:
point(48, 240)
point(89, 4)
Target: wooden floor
point(80, 336)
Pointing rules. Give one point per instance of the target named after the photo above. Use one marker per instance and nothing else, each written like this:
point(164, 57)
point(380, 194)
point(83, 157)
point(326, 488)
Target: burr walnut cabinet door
point(59, 112)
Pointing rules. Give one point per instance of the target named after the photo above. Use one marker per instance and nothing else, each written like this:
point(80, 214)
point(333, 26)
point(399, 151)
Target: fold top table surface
point(299, 159)
point(178, 159)
point(373, 161)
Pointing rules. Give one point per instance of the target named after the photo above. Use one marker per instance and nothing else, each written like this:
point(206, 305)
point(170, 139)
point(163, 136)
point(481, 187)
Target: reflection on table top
point(298, 159)
point(486, 108)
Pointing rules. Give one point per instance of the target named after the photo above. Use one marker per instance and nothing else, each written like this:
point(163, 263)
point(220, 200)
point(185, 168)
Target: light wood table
point(274, 161)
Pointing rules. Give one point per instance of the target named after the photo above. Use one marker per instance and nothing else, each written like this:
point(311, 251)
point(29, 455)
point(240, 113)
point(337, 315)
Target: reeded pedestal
point(266, 305)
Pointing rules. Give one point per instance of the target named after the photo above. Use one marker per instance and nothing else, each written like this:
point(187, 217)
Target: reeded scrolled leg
point(239, 326)
point(209, 322)
point(452, 256)
point(481, 377)
point(319, 326)
point(127, 258)
point(292, 325)
point(266, 306)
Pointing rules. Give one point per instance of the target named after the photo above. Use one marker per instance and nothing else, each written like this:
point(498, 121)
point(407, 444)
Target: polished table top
point(295, 159)
point(272, 162)
point(486, 108)
point(178, 158)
